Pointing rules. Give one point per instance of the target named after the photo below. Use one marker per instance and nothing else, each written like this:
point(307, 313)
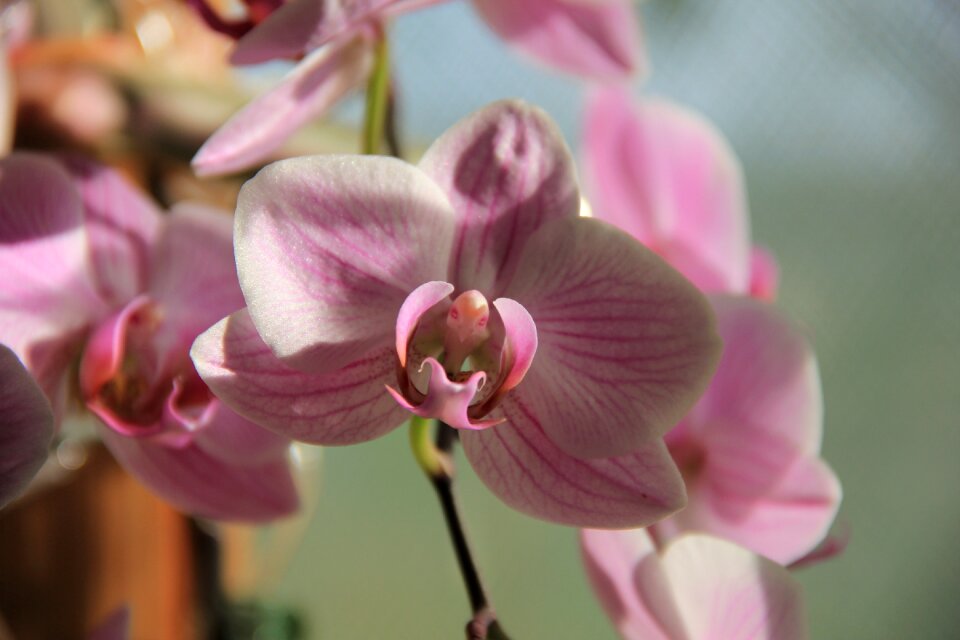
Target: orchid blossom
point(697, 588)
point(333, 40)
point(468, 289)
point(749, 450)
point(26, 427)
point(666, 176)
point(101, 298)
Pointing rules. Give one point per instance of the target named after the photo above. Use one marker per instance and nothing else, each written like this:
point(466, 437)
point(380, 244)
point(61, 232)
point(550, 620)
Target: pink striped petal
point(667, 177)
point(626, 345)
point(121, 222)
point(767, 386)
point(26, 427)
point(345, 406)
point(228, 437)
point(198, 483)
point(723, 592)
point(252, 135)
point(194, 274)
point(764, 274)
point(329, 247)
point(598, 39)
point(522, 466)
point(46, 291)
point(507, 171)
point(610, 559)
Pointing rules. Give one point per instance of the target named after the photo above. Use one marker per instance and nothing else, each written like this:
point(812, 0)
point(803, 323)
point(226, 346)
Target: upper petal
point(522, 466)
point(121, 222)
point(626, 345)
point(344, 406)
point(506, 171)
point(196, 482)
point(597, 39)
point(26, 427)
point(317, 83)
point(328, 248)
point(724, 592)
point(667, 177)
point(46, 291)
point(193, 274)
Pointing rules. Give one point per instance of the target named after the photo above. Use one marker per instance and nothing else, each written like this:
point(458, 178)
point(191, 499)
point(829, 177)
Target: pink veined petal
point(611, 559)
point(521, 339)
point(598, 40)
point(784, 524)
point(26, 427)
point(417, 303)
point(723, 592)
point(306, 93)
point(46, 292)
point(625, 344)
point(767, 385)
point(507, 172)
point(193, 274)
point(522, 466)
point(232, 438)
point(329, 247)
point(447, 400)
point(115, 627)
point(121, 223)
point(764, 274)
point(345, 406)
point(667, 177)
point(198, 483)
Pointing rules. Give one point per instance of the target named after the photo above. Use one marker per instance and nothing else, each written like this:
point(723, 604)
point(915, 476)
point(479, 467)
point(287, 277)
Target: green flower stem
point(378, 98)
point(436, 460)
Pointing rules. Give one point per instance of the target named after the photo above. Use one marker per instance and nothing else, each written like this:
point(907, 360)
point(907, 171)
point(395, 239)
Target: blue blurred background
point(846, 116)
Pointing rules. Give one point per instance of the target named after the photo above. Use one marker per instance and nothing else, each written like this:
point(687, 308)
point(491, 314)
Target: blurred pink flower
point(667, 177)
point(697, 588)
point(332, 39)
point(749, 450)
point(102, 297)
point(26, 427)
point(348, 263)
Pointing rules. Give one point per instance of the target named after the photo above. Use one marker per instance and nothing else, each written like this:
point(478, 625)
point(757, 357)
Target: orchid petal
point(46, 291)
point(507, 171)
point(764, 274)
point(198, 483)
point(599, 40)
point(121, 224)
point(611, 559)
point(667, 177)
point(305, 94)
point(521, 339)
point(417, 303)
point(329, 247)
point(26, 427)
point(447, 400)
point(522, 466)
point(341, 407)
point(723, 592)
point(231, 438)
point(626, 345)
point(194, 275)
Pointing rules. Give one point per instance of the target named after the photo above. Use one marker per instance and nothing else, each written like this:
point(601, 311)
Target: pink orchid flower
point(749, 450)
point(26, 427)
point(594, 38)
point(667, 177)
point(103, 296)
point(697, 588)
point(469, 288)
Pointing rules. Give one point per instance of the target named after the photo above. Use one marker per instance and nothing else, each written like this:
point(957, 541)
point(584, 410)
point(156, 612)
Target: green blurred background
point(846, 116)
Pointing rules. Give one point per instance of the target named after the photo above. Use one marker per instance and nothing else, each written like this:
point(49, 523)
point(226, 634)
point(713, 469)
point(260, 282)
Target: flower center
point(467, 329)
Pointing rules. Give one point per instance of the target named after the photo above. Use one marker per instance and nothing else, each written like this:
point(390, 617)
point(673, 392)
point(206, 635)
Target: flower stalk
point(378, 99)
point(436, 461)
